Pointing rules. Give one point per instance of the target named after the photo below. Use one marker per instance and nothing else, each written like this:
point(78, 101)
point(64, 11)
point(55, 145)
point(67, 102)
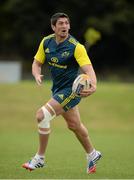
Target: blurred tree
point(115, 21)
point(24, 23)
point(91, 37)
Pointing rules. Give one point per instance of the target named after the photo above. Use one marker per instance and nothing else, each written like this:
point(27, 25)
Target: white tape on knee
point(45, 123)
point(44, 132)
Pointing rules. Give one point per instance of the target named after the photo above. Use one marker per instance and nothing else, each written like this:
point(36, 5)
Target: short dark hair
point(58, 15)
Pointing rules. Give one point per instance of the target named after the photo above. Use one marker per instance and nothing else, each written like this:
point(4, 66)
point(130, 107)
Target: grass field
point(108, 114)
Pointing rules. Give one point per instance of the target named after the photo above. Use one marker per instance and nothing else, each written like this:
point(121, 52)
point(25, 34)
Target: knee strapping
point(45, 123)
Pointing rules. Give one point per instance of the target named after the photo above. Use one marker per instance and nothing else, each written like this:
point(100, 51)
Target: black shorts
point(66, 98)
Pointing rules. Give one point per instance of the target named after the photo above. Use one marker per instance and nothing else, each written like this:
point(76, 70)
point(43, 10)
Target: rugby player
point(64, 56)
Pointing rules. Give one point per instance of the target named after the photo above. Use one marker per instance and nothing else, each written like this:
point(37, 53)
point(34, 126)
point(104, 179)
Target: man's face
point(62, 27)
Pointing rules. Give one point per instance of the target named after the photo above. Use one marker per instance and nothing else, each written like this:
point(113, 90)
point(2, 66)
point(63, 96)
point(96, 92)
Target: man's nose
point(64, 24)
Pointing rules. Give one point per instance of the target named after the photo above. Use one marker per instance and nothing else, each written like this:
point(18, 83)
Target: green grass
point(108, 114)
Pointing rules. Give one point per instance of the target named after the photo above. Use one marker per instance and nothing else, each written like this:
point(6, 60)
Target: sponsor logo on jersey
point(54, 62)
point(54, 59)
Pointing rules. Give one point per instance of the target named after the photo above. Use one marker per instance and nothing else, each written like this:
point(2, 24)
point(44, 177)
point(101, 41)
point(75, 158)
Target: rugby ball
point(81, 82)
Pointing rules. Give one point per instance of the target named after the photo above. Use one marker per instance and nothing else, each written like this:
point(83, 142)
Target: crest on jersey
point(65, 54)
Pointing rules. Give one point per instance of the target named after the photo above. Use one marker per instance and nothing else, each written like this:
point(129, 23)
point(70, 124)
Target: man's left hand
point(88, 92)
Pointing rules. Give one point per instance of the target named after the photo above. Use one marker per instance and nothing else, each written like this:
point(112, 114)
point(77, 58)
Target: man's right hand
point(39, 79)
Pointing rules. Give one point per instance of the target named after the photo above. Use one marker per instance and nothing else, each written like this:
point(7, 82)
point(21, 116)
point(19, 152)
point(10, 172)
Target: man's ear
point(53, 27)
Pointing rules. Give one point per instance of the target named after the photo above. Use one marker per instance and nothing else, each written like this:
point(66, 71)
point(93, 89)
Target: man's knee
point(78, 127)
point(73, 125)
point(39, 115)
point(44, 116)
point(45, 112)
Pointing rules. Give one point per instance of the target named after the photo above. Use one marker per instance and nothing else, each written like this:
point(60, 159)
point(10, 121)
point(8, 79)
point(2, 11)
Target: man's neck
point(59, 39)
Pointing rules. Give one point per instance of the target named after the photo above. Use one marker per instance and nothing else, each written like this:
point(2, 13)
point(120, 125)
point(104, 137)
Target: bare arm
point(36, 71)
point(88, 69)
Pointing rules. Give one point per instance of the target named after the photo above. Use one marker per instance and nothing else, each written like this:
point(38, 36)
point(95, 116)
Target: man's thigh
point(56, 106)
point(72, 115)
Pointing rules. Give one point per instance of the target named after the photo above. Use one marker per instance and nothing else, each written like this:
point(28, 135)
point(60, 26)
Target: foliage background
point(24, 23)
